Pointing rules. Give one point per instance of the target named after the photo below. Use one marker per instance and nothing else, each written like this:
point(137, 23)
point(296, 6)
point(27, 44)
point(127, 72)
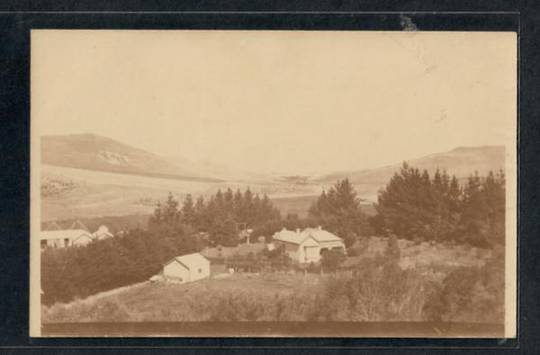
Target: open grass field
point(98, 194)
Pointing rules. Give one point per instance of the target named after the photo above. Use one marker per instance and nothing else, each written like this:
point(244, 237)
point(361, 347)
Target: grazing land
point(79, 193)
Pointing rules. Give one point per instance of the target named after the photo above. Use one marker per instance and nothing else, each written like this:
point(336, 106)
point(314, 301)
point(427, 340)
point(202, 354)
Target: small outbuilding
point(187, 268)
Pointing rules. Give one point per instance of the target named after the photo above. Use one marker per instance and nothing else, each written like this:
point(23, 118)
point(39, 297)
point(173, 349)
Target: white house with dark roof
point(307, 245)
point(187, 268)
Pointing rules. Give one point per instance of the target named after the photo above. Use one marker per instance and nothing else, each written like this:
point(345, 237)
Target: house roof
point(286, 235)
point(321, 235)
point(190, 260)
point(298, 237)
point(62, 234)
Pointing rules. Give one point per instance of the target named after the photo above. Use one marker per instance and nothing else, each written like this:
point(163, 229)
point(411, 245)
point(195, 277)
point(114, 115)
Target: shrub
point(331, 259)
point(470, 294)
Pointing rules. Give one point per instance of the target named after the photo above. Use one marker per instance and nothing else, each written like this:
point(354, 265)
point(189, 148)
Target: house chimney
point(297, 230)
point(319, 227)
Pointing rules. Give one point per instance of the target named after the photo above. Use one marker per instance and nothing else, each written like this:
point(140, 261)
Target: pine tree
point(257, 215)
point(168, 213)
point(247, 207)
point(200, 211)
point(228, 204)
point(338, 211)
point(414, 206)
point(237, 204)
point(188, 210)
point(483, 215)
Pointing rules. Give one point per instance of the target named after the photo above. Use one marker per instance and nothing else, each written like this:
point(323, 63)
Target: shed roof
point(190, 260)
point(62, 234)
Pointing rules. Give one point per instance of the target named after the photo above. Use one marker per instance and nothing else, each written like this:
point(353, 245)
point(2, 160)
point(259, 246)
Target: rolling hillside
point(97, 153)
point(461, 162)
point(92, 176)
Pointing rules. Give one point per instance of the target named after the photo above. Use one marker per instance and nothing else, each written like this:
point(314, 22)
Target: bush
point(331, 259)
point(470, 294)
point(377, 290)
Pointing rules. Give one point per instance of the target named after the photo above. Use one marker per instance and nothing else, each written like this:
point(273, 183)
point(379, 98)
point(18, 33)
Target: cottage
point(187, 268)
point(65, 238)
point(308, 245)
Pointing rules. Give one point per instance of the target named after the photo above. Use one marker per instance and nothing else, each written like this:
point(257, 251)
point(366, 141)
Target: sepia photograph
point(236, 183)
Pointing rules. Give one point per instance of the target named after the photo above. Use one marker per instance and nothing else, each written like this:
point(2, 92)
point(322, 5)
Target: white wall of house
point(309, 251)
point(81, 241)
point(199, 271)
point(177, 271)
point(193, 272)
point(58, 243)
point(64, 239)
point(306, 252)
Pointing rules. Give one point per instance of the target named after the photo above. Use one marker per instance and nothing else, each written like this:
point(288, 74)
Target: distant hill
point(93, 152)
point(87, 175)
point(461, 162)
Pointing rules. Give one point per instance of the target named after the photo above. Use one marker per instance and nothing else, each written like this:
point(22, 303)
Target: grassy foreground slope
point(463, 285)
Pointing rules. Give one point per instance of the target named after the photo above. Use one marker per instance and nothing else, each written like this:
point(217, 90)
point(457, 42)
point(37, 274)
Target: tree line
point(222, 216)
point(414, 205)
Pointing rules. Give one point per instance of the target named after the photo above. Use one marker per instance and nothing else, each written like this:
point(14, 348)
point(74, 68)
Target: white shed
point(187, 268)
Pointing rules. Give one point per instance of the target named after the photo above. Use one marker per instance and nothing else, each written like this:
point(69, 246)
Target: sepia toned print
point(273, 183)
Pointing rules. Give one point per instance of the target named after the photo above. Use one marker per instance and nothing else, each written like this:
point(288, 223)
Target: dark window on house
point(66, 242)
point(43, 243)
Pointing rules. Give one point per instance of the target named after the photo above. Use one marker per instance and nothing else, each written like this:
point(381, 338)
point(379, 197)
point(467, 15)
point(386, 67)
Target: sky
point(292, 102)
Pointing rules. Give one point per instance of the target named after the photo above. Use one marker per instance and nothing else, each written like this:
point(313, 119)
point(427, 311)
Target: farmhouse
point(187, 268)
point(65, 238)
point(307, 246)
